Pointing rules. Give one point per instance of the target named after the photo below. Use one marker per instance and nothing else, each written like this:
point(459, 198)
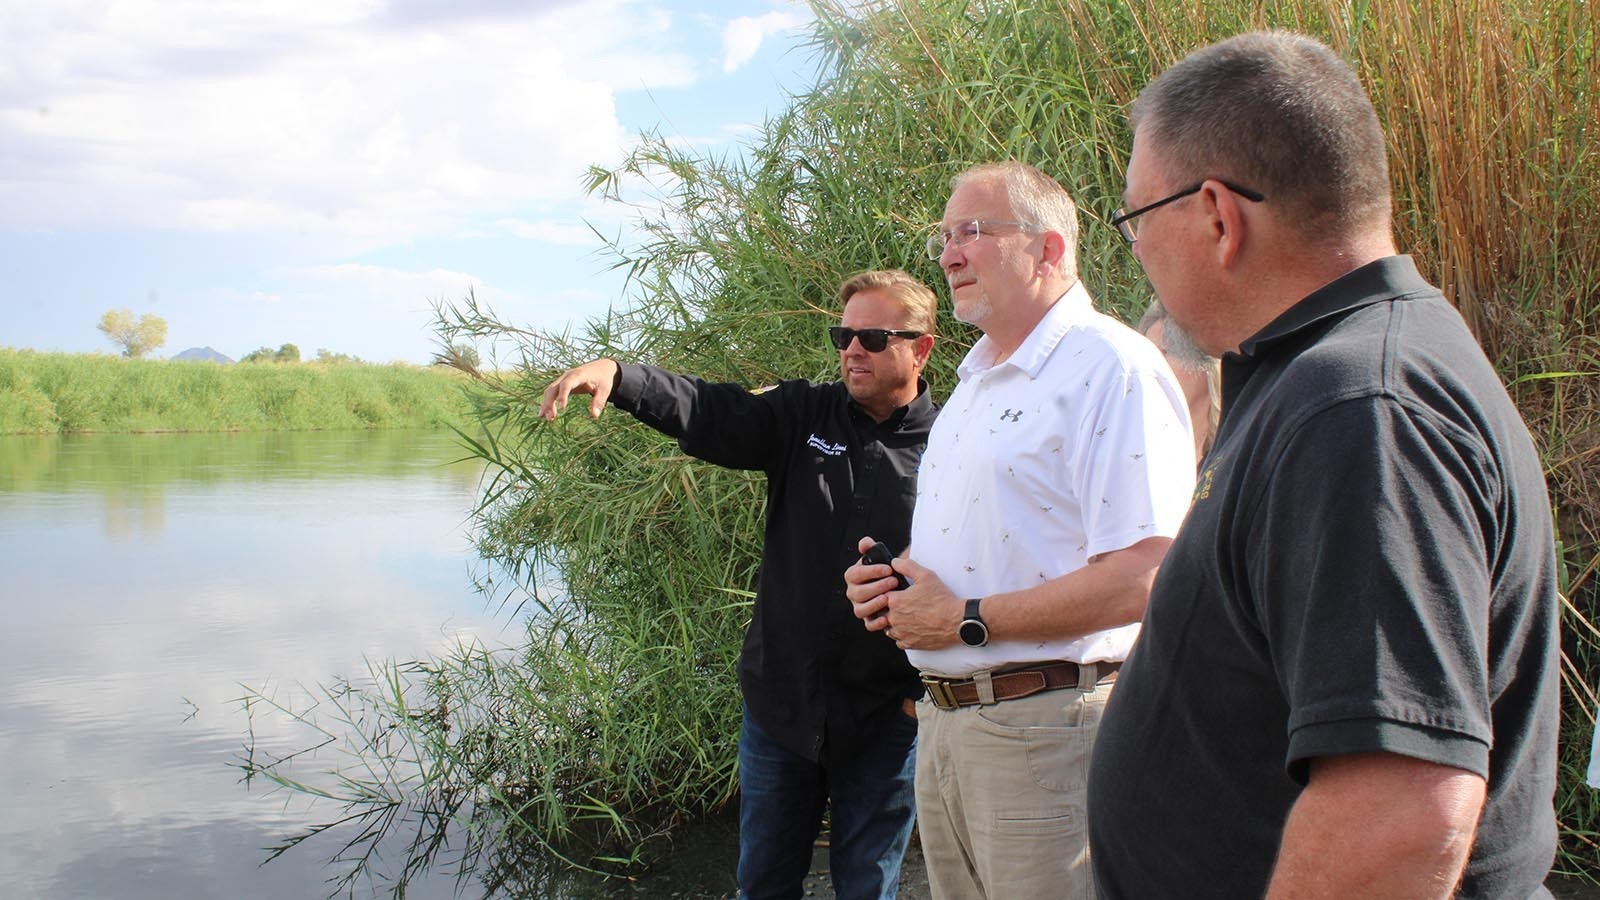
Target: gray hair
point(1277, 112)
point(1035, 198)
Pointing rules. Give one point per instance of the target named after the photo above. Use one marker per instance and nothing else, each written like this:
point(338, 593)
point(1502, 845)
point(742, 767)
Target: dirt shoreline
point(914, 880)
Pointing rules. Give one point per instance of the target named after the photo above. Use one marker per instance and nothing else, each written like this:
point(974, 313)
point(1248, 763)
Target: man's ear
point(1055, 249)
point(1227, 221)
point(921, 349)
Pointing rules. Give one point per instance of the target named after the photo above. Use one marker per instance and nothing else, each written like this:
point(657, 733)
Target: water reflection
point(148, 581)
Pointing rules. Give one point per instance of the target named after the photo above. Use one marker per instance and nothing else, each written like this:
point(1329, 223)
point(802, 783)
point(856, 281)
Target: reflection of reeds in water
point(619, 719)
point(520, 786)
point(113, 463)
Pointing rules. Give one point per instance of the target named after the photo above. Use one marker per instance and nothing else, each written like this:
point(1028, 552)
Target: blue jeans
point(782, 796)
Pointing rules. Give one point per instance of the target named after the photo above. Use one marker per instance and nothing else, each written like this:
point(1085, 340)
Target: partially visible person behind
point(1199, 372)
point(1053, 482)
point(1593, 776)
point(827, 706)
point(1346, 685)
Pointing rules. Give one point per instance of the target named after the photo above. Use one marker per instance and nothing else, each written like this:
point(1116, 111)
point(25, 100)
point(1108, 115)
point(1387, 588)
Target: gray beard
point(1181, 348)
point(976, 311)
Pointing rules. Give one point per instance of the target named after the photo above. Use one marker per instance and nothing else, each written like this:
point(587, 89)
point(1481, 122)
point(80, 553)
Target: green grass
point(48, 393)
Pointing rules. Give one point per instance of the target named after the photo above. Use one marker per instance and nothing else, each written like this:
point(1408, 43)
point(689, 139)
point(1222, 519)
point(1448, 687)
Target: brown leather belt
point(1025, 681)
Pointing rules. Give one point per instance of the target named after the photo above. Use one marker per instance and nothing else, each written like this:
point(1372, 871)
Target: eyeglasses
point(1123, 220)
point(964, 233)
point(873, 340)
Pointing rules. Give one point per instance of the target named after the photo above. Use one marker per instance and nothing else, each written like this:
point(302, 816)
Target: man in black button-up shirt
point(825, 702)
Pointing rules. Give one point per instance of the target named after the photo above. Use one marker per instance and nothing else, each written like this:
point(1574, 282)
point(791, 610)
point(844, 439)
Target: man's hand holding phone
point(868, 583)
point(926, 615)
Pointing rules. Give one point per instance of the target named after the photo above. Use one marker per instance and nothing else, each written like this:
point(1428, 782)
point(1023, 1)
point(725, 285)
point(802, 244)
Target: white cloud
point(310, 117)
point(232, 151)
point(743, 36)
point(394, 303)
point(378, 280)
point(563, 233)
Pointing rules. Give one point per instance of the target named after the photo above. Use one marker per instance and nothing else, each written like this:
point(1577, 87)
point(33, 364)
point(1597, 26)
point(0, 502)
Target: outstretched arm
point(595, 378)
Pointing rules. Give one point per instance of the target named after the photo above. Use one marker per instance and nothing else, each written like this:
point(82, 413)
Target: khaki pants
point(1002, 795)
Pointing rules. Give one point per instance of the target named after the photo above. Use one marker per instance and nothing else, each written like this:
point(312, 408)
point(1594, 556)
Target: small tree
point(460, 355)
point(288, 353)
point(135, 337)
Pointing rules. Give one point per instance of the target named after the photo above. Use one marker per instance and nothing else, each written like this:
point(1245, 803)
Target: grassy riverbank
point(47, 393)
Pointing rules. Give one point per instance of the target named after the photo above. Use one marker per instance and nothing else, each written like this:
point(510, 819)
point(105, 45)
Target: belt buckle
point(940, 692)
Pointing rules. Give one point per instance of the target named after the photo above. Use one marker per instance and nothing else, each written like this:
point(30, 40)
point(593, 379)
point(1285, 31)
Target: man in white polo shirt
point(1053, 481)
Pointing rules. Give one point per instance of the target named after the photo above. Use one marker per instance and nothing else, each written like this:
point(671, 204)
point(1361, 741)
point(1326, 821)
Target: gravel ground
point(704, 871)
point(914, 880)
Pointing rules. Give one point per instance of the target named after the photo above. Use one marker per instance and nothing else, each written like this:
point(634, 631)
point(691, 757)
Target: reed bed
point(633, 563)
point(49, 393)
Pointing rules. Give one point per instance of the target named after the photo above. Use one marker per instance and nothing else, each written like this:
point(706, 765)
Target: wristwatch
point(973, 631)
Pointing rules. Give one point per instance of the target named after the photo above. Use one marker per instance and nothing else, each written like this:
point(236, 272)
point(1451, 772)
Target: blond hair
point(915, 298)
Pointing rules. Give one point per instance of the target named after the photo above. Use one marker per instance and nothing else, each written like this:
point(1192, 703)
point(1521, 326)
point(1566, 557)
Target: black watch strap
point(973, 631)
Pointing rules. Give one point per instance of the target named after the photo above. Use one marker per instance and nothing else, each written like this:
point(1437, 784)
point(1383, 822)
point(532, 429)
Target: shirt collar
point(918, 410)
point(1070, 309)
point(1389, 278)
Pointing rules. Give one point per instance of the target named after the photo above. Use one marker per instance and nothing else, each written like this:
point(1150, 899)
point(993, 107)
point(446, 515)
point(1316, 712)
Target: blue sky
point(319, 172)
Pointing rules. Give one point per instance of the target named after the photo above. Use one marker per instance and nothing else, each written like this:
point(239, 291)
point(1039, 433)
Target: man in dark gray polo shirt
point(1346, 685)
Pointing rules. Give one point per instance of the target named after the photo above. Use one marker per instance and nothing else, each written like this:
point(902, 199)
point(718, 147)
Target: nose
point(950, 257)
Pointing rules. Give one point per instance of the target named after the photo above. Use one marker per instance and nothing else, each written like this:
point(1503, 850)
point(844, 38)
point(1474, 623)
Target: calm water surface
point(148, 581)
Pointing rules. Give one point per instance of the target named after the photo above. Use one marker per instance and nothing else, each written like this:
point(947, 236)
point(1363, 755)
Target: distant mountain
point(205, 354)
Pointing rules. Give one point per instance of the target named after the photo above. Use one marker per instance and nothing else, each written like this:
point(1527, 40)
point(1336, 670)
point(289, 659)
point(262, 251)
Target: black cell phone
point(880, 554)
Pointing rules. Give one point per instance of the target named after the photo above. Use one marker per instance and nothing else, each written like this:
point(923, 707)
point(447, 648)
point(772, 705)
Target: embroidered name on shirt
point(824, 446)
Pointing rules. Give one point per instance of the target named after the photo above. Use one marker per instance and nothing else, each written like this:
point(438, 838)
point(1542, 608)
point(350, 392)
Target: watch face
point(973, 633)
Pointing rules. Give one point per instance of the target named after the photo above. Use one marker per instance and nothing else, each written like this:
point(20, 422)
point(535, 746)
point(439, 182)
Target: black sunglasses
point(873, 340)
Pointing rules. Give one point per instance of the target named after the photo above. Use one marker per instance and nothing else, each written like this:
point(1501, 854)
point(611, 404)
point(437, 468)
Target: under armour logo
point(1011, 415)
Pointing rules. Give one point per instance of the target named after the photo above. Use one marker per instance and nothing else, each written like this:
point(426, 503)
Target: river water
point(147, 582)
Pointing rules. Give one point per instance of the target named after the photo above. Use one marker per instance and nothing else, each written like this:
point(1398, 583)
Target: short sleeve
point(1138, 476)
point(1369, 574)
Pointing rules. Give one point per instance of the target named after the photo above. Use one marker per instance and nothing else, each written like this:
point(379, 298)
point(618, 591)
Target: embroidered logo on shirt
point(1202, 490)
point(1011, 415)
point(824, 446)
